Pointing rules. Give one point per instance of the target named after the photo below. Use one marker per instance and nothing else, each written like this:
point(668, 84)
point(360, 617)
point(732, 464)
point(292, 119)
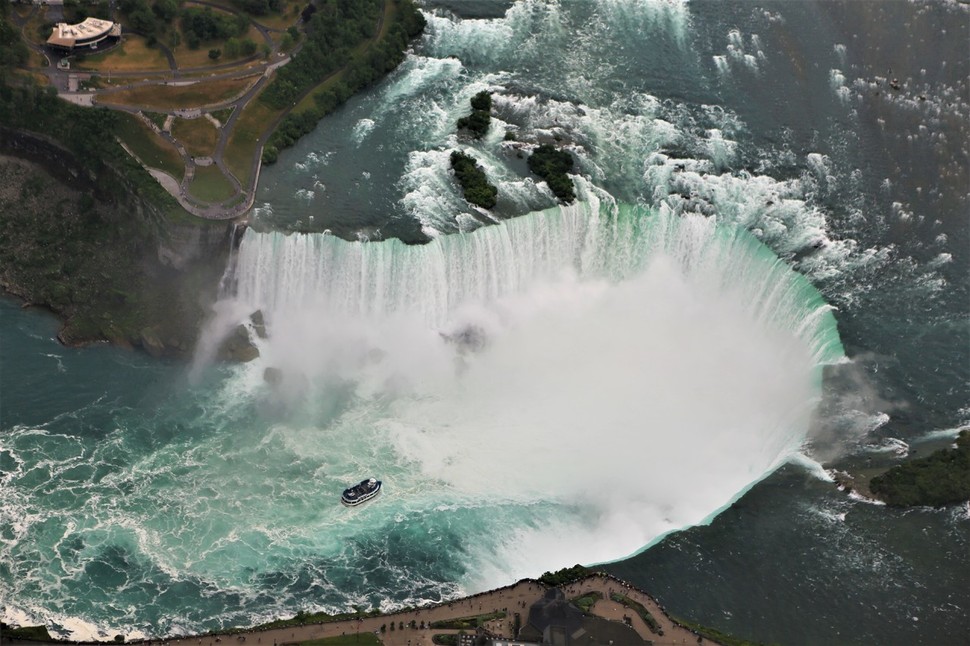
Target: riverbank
point(110, 269)
point(495, 611)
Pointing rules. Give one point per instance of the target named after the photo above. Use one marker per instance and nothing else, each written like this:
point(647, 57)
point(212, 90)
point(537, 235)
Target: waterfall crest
point(284, 273)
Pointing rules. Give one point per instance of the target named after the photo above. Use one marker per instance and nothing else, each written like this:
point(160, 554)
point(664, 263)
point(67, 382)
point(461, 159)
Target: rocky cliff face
point(116, 269)
point(181, 244)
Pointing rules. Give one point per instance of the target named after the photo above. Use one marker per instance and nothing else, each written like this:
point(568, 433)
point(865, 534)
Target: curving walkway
point(512, 599)
point(243, 196)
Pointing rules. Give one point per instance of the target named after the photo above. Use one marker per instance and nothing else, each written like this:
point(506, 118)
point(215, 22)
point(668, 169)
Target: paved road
point(516, 598)
point(244, 196)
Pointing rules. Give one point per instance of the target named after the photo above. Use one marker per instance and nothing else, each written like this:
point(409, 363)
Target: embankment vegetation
point(30, 633)
point(13, 50)
point(553, 165)
point(565, 576)
point(474, 183)
point(87, 133)
point(641, 611)
point(303, 618)
point(83, 223)
point(587, 601)
point(93, 260)
point(715, 635)
point(336, 45)
point(942, 478)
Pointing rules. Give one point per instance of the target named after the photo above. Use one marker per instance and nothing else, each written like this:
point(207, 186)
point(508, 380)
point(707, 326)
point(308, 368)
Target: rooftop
point(66, 35)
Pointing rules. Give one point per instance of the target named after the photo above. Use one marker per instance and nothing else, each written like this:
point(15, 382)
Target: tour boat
point(361, 493)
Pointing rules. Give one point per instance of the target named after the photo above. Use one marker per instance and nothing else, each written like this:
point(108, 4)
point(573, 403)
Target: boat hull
point(361, 493)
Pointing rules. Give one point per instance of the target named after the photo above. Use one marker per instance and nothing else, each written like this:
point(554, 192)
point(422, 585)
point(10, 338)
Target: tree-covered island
point(942, 478)
point(474, 183)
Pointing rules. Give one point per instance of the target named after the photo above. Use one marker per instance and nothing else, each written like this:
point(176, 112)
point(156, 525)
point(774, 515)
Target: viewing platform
point(88, 33)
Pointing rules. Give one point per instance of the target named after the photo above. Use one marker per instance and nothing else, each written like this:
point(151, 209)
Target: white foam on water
point(811, 466)
point(721, 63)
point(363, 128)
point(943, 433)
point(837, 83)
point(431, 194)
point(840, 51)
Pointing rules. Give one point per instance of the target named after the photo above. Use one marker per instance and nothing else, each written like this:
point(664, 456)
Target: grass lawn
point(203, 73)
point(38, 77)
point(36, 59)
point(586, 601)
point(197, 135)
point(133, 54)
point(238, 156)
point(365, 639)
point(288, 16)
point(170, 97)
point(32, 30)
point(186, 57)
point(210, 185)
point(149, 147)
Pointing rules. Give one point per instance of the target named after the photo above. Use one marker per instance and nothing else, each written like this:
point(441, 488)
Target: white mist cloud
point(618, 374)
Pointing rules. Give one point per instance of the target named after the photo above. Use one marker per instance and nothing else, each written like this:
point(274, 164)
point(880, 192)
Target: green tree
point(166, 10)
point(474, 183)
point(482, 101)
point(13, 51)
point(552, 165)
point(142, 20)
point(248, 46)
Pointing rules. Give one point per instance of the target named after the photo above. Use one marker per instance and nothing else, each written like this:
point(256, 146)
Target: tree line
point(13, 50)
point(315, 62)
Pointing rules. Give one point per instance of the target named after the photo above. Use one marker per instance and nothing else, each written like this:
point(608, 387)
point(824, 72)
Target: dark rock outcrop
point(238, 346)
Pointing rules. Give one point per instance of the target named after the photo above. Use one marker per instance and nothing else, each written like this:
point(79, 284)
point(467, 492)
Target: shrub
point(476, 123)
point(585, 602)
point(638, 608)
point(482, 101)
point(552, 165)
point(565, 576)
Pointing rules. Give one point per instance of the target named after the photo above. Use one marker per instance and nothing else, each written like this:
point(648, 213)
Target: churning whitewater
point(538, 386)
point(600, 374)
